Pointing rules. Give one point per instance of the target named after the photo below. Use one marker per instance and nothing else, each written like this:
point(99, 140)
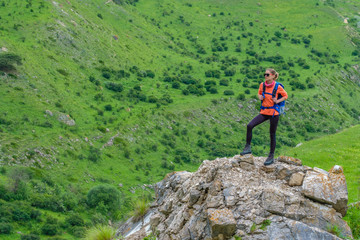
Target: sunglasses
point(266, 74)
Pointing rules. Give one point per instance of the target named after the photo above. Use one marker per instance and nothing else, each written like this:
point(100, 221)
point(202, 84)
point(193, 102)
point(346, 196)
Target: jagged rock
point(327, 187)
point(246, 162)
point(66, 119)
point(317, 186)
point(290, 160)
point(224, 198)
point(194, 196)
point(222, 222)
point(296, 179)
point(339, 186)
point(48, 112)
point(273, 200)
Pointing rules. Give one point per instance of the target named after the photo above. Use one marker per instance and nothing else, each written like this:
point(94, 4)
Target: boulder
point(327, 187)
point(238, 195)
point(317, 186)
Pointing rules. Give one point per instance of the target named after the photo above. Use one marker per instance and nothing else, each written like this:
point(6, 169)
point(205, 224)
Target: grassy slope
point(69, 37)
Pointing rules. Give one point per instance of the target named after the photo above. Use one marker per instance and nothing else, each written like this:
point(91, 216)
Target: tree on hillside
point(106, 196)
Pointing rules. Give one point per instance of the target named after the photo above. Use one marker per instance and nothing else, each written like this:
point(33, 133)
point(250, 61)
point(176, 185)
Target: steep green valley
point(104, 98)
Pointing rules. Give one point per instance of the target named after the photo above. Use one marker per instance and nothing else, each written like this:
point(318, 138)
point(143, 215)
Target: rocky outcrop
point(239, 196)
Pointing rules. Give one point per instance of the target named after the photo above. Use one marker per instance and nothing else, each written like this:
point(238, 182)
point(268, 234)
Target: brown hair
point(273, 72)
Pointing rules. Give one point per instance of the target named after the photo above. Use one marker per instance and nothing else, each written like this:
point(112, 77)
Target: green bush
point(150, 73)
point(48, 201)
point(152, 99)
point(4, 194)
point(30, 237)
point(241, 97)
point(224, 82)
point(228, 92)
point(116, 87)
point(6, 228)
point(77, 231)
point(94, 154)
point(75, 220)
point(104, 194)
point(8, 60)
point(49, 229)
point(21, 214)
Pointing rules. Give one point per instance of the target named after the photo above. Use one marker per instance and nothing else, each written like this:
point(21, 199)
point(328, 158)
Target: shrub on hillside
point(104, 194)
point(213, 90)
point(183, 155)
point(6, 228)
point(212, 73)
point(188, 79)
point(152, 99)
point(230, 72)
point(116, 87)
point(94, 80)
point(165, 99)
point(228, 92)
point(49, 229)
point(150, 73)
point(74, 220)
point(17, 187)
point(48, 201)
point(176, 85)
point(241, 97)
point(108, 107)
point(8, 62)
point(94, 154)
point(224, 82)
point(30, 237)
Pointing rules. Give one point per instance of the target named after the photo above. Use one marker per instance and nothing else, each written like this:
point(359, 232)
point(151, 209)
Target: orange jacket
point(268, 102)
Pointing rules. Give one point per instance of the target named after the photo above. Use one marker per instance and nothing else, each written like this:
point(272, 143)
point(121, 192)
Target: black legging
point(273, 125)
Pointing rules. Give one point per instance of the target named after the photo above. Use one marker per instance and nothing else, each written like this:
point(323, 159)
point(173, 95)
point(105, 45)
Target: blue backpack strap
point(275, 89)
point(263, 93)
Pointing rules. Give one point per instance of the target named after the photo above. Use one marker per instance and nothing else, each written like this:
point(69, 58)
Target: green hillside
point(119, 93)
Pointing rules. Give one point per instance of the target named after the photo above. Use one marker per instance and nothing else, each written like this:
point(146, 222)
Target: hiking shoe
point(269, 160)
point(247, 150)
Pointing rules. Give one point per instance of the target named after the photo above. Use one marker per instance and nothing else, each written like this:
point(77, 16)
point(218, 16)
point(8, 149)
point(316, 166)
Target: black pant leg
point(253, 123)
point(273, 126)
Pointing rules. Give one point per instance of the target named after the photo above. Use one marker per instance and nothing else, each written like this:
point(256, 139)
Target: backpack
point(280, 107)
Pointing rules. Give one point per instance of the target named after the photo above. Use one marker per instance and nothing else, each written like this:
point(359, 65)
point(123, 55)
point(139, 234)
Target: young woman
point(267, 112)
